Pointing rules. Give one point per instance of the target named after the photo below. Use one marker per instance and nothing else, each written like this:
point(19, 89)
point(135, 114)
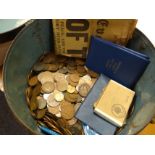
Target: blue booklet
point(86, 112)
point(119, 63)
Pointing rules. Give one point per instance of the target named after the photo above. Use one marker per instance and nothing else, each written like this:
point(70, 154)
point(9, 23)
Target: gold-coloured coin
point(59, 76)
point(81, 69)
point(29, 92)
point(59, 96)
point(39, 67)
point(70, 89)
point(67, 110)
point(48, 87)
point(33, 81)
point(49, 58)
point(71, 82)
point(71, 97)
point(62, 122)
point(79, 98)
point(40, 113)
point(45, 77)
point(62, 85)
point(74, 78)
point(63, 70)
point(36, 90)
point(41, 102)
point(51, 101)
point(33, 104)
point(84, 89)
point(80, 62)
point(92, 73)
point(53, 110)
point(72, 121)
point(53, 67)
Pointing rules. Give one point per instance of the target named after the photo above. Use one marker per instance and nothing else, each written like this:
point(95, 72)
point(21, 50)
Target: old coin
point(81, 69)
point(72, 121)
point(53, 110)
point(52, 67)
point(48, 87)
point(79, 98)
point(33, 104)
point(67, 110)
point(40, 113)
point(80, 62)
point(70, 89)
point(63, 70)
point(36, 91)
point(71, 97)
point(84, 89)
point(41, 102)
point(74, 78)
point(51, 101)
point(33, 81)
point(62, 122)
point(59, 96)
point(71, 82)
point(45, 77)
point(49, 58)
point(92, 73)
point(75, 131)
point(62, 85)
point(59, 76)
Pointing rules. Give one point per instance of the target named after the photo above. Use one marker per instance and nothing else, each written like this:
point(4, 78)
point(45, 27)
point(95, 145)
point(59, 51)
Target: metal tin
point(35, 40)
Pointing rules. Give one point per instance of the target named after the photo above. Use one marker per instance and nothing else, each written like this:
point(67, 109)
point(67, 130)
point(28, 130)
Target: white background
point(81, 145)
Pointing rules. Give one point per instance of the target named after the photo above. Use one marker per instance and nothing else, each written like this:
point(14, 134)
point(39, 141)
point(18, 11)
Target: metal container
point(35, 40)
point(8, 31)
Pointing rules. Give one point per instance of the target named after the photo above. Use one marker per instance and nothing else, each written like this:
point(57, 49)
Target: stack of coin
point(57, 86)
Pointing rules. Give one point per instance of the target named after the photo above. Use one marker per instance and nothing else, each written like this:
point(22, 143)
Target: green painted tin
point(34, 40)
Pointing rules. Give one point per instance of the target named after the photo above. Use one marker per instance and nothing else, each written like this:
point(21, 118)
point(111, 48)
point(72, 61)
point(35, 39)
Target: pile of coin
point(57, 86)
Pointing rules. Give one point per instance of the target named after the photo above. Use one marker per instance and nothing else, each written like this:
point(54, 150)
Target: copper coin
point(40, 113)
point(53, 110)
point(67, 110)
point(62, 85)
point(80, 62)
point(84, 89)
point(51, 101)
point(74, 78)
point(48, 87)
point(33, 81)
point(71, 97)
point(59, 76)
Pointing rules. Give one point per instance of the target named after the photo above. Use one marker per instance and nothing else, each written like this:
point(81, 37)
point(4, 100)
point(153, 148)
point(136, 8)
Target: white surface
point(147, 26)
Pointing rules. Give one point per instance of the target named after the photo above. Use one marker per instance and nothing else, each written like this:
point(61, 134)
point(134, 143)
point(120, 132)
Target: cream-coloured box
point(114, 103)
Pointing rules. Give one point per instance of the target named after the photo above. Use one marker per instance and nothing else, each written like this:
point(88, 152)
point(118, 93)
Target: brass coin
point(74, 78)
point(33, 104)
point(71, 97)
point(41, 102)
point(72, 121)
point(39, 67)
point(59, 76)
point(49, 58)
point(51, 101)
point(71, 82)
point(40, 113)
point(80, 62)
point(63, 70)
point(81, 69)
point(62, 85)
point(53, 110)
point(36, 91)
point(58, 96)
point(33, 81)
point(92, 73)
point(53, 67)
point(62, 122)
point(84, 89)
point(79, 98)
point(70, 89)
point(48, 87)
point(67, 110)
point(45, 77)
point(29, 92)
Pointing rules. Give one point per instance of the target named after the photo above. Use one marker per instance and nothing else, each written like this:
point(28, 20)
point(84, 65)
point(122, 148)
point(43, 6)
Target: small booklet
point(115, 61)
